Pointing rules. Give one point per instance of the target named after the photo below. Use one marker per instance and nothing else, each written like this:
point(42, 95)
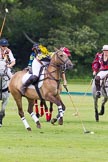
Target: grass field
point(66, 143)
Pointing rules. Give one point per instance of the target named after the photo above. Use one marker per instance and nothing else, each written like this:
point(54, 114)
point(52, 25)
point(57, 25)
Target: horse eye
point(61, 55)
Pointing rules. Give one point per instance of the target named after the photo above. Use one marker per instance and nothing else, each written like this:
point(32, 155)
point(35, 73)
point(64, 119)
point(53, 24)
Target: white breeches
point(36, 66)
point(102, 74)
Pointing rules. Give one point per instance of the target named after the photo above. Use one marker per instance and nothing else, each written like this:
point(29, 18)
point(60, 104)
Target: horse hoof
point(48, 120)
point(53, 120)
point(60, 121)
point(29, 129)
point(0, 125)
point(38, 124)
point(101, 113)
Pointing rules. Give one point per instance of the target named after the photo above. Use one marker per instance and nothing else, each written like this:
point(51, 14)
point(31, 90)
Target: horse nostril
point(71, 66)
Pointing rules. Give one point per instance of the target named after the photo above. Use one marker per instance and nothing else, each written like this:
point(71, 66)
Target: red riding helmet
point(66, 51)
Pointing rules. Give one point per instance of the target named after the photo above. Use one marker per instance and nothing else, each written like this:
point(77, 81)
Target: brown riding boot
point(31, 80)
point(98, 87)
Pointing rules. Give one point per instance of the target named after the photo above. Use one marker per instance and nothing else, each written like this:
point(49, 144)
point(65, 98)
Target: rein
point(49, 75)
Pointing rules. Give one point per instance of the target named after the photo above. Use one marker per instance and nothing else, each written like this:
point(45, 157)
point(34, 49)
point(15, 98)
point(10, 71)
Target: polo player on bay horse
point(42, 58)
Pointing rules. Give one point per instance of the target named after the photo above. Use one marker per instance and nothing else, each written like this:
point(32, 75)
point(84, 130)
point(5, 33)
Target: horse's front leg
point(43, 104)
point(57, 101)
point(63, 108)
point(102, 110)
point(50, 110)
point(36, 108)
point(30, 111)
point(96, 108)
point(4, 102)
point(42, 108)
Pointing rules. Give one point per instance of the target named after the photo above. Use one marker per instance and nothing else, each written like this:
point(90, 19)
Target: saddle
point(29, 73)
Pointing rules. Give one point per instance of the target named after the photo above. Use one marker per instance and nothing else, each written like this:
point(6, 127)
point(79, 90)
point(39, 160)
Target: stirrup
point(98, 94)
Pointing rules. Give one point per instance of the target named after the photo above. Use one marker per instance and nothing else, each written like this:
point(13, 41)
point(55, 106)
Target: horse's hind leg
point(30, 111)
point(103, 107)
point(18, 99)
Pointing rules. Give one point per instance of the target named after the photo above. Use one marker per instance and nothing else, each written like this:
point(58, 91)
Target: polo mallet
point(91, 81)
point(84, 94)
point(6, 11)
point(76, 110)
point(84, 129)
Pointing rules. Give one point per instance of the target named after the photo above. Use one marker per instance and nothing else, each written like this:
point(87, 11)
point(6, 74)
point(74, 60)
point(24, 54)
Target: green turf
point(66, 143)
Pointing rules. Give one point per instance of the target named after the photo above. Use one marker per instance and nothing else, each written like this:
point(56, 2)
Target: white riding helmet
point(105, 48)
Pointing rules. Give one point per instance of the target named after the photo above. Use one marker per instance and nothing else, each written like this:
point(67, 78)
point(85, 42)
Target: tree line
point(80, 25)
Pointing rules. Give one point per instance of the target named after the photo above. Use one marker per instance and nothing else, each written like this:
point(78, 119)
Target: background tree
point(77, 24)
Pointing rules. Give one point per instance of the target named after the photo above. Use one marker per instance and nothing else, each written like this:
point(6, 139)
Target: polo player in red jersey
point(100, 68)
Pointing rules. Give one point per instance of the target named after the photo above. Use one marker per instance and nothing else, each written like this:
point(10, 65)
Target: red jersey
point(99, 64)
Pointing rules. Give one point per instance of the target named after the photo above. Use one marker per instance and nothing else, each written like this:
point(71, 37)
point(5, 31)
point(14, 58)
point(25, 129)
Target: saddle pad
point(27, 75)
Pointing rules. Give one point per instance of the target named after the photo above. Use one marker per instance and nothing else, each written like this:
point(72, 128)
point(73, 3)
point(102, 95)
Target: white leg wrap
point(25, 122)
point(60, 111)
point(34, 117)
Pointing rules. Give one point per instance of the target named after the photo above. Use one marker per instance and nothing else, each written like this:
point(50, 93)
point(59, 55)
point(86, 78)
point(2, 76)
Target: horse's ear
point(56, 49)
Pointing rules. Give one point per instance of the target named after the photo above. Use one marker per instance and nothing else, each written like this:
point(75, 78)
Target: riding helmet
point(4, 42)
point(105, 48)
point(35, 46)
point(66, 51)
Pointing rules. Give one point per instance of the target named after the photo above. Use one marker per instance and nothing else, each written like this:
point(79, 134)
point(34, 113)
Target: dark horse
point(4, 95)
point(50, 89)
point(104, 92)
point(43, 109)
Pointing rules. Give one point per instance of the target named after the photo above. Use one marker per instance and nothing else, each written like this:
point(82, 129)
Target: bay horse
point(4, 94)
point(50, 89)
point(104, 93)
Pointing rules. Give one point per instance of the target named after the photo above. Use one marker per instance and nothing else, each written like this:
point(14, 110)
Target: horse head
point(61, 60)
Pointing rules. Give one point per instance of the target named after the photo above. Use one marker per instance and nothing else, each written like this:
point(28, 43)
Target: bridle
point(57, 66)
point(62, 66)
